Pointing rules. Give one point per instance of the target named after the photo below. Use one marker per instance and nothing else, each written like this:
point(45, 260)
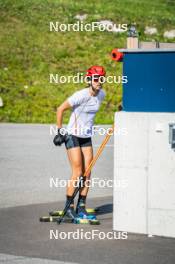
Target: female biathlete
point(84, 104)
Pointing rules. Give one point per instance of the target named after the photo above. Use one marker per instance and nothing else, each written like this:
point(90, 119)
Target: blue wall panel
point(151, 81)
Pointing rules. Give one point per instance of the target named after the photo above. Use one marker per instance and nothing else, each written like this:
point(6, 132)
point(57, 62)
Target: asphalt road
point(23, 236)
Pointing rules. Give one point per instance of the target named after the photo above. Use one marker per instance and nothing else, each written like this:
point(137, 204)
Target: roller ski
point(55, 219)
point(71, 217)
point(59, 212)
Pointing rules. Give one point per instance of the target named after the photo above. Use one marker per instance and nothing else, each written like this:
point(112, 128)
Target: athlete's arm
point(60, 110)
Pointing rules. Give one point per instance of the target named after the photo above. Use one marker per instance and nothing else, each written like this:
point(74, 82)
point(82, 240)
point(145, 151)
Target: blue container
point(151, 80)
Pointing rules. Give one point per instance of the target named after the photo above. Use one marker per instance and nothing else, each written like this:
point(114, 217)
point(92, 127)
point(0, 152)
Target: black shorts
point(74, 141)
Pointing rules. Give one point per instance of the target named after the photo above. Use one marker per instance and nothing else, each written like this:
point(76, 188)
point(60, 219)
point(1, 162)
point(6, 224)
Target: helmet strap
point(93, 89)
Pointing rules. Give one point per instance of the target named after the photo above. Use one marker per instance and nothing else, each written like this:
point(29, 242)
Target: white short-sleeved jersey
point(84, 108)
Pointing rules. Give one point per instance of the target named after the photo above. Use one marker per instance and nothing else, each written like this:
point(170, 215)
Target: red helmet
point(96, 70)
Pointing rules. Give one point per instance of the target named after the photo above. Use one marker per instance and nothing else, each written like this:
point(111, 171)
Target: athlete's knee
point(75, 179)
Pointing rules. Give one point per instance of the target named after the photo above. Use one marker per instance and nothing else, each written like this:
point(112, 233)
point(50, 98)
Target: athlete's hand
point(59, 139)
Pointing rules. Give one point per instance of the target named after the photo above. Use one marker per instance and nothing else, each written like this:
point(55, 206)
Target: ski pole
point(85, 174)
point(103, 144)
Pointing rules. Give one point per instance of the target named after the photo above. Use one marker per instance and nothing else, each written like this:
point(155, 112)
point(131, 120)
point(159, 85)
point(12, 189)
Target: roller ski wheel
point(79, 221)
point(87, 221)
point(51, 219)
point(48, 219)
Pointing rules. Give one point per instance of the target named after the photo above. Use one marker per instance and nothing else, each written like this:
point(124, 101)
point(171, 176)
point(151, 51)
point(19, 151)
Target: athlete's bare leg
point(76, 162)
point(87, 155)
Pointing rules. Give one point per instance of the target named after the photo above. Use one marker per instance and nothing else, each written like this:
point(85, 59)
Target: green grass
point(29, 52)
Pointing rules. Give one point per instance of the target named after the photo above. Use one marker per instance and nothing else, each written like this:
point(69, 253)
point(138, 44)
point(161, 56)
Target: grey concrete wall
point(144, 158)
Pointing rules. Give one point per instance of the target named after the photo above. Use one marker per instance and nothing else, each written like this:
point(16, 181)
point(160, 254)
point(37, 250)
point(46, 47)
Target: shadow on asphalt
point(104, 209)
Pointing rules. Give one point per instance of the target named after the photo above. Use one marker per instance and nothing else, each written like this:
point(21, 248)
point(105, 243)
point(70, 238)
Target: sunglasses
point(99, 79)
